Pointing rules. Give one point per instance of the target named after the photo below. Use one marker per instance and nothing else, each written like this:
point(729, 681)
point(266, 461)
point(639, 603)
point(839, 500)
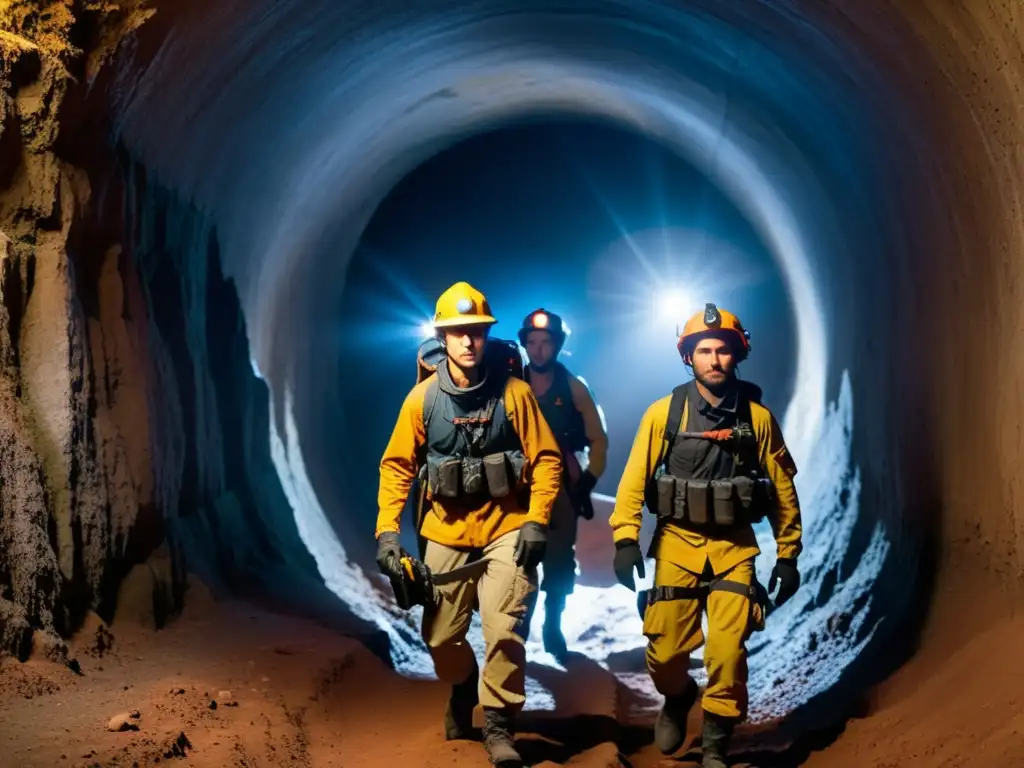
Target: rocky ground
point(232, 684)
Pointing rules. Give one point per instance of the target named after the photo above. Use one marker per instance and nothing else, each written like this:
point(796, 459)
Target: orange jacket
point(452, 524)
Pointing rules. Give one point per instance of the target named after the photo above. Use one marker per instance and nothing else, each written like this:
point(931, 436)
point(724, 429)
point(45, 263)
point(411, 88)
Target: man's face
point(713, 362)
point(540, 348)
point(465, 345)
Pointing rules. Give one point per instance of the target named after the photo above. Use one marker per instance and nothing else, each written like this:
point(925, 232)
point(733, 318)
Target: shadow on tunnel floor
point(559, 740)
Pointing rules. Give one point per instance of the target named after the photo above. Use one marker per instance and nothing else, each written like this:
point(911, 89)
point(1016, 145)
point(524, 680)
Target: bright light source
point(672, 306)
point(427, 329)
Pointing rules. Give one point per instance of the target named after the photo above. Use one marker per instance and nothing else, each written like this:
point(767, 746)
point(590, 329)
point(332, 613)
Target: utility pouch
point(517, 459)
point(678, 510)
point(666, 495)
point(443, 476)
point(744, 487)
point(473, 481)
point(723, 503)
point(497, 471)
point(698, 501)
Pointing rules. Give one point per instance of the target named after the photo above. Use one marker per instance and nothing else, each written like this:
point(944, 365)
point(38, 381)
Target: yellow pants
point(506, 595)
point(673, 631)
point(560, 555)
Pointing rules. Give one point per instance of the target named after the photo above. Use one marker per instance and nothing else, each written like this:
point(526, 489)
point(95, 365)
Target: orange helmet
point(460, 305)
point(713, 322)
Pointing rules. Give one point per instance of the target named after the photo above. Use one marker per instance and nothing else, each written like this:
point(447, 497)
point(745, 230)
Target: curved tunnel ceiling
point(284, 119)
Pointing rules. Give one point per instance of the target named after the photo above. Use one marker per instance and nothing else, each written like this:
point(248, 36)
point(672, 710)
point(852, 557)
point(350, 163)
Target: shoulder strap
point(429, 401)
point(676, 407)
point(743, 407)
point(751, 391)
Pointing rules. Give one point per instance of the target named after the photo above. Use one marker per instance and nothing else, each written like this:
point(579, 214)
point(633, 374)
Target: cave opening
point(620, 236)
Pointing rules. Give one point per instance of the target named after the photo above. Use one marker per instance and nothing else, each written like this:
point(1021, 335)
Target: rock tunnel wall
point(942, 354)
point(133, 444)
point(76, 476)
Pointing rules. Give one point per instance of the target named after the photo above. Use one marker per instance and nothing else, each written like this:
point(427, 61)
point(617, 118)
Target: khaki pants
point(673, 630)
point(506, 595)
point(560, 556)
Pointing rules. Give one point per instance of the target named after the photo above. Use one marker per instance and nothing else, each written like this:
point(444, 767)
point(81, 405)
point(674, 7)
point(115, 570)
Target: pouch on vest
point(680, 507)
point(723, 503)
point(473, 481)
point(518, 461)
point(698, 501)
point(666, 495)
point(443, 476)
point(498, 471)
point(744, 487)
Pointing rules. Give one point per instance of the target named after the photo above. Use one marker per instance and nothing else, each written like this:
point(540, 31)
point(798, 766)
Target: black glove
point(581, 495)
point(389, 554)
point(788, 578)
point(531, 545)
point(627, 557)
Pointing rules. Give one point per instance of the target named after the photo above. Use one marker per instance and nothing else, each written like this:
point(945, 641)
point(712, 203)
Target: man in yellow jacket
point(708, 461)
point(570, 411)
point(493, 470)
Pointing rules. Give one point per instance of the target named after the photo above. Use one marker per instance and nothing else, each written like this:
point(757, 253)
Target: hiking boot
point(670, 727)
point(458, 718)
point(715, 740)
point(498, 742)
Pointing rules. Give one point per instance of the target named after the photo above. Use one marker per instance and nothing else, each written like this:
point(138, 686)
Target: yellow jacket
point(691, 550)
point(452, 524)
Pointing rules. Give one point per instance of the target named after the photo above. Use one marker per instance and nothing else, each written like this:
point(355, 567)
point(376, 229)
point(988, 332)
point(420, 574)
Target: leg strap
point(724, 585)
point(649, 597)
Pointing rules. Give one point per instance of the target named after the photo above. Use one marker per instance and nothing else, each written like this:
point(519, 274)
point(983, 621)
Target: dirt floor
point(234, 685)
point(231, 684)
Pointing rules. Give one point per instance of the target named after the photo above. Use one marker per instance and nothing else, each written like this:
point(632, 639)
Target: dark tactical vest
point(473, 453)
point(704, 484)
point(560, 412)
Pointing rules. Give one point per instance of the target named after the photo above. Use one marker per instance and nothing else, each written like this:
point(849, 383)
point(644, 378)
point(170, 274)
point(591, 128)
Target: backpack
point(501, 356)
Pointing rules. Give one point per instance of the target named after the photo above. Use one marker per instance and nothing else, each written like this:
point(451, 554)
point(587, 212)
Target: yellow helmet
point(462, 304)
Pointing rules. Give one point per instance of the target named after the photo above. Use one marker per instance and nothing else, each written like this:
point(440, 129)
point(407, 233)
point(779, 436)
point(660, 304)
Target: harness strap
point(700, 592)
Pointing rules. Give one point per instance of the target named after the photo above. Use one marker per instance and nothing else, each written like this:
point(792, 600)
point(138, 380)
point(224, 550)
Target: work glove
point(531, 545)
point(389, 554)
point(627, 557)
point(787, 577)
point(581, 495)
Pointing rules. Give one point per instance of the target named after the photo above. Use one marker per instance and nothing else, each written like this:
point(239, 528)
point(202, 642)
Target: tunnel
point(224, 226)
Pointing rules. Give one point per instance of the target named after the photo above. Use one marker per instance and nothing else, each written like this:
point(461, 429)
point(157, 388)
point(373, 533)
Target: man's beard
point(718, 389)
point(543, 368)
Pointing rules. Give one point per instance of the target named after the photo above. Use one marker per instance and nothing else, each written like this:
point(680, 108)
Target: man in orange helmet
point(493, 470)
point(570, 411)
point(708, 461)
